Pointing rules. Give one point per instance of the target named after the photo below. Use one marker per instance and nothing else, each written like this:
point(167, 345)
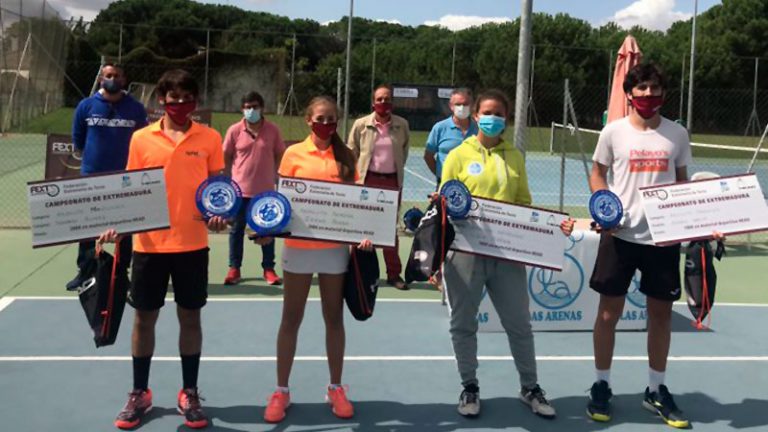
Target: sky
point(452, 14)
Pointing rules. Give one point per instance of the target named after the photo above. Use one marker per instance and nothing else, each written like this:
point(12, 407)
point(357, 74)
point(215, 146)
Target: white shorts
point(311, 261)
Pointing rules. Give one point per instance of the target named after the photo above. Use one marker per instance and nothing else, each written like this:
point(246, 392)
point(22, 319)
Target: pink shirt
point(383, 159)
point(254, 156)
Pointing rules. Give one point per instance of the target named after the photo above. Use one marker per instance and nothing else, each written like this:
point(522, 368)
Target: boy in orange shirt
point(190, 153)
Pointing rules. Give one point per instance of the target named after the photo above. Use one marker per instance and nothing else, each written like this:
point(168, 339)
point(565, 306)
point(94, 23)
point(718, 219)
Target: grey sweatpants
point(464, 276)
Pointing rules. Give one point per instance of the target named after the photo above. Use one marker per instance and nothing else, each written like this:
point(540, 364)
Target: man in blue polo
point(101, 131)
point(449, 133)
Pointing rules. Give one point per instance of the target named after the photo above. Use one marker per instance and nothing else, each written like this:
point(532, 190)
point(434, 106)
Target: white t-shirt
point(637, 159)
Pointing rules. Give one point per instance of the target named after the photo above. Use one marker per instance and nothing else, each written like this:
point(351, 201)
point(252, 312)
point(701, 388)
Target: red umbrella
point(629, 56)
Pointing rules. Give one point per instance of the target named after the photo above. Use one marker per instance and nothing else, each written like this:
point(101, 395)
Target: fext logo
point(63, 147)
point(50, 189)
point(661, 194)
point(296, 185)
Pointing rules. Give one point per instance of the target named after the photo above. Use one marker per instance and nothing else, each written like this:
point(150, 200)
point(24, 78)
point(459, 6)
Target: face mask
point(491, 125)
point(179, 112)
point(461, 111)
point(323, 130)
point(111, 86)
point(647, 106)
point(252, 115)
point(382, 108)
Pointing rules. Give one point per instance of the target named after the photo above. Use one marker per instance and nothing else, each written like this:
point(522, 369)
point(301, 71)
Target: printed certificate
point(340, 212)
point(81, 208)
point(693, 210)
point(516, 233)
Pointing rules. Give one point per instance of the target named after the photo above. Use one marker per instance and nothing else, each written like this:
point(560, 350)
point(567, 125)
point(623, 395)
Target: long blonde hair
point(345, 159)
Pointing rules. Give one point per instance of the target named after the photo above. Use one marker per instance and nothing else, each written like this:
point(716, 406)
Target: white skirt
point(311, 261)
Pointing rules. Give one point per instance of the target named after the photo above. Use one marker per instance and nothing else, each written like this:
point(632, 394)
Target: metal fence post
point(562, 145)
point(373, 68)
point(453, 62)
point(207, 50)
point(349, 67)
point(120, 47)
point(523, 73)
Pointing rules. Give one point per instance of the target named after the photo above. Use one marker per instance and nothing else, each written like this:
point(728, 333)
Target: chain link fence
point(49, 65)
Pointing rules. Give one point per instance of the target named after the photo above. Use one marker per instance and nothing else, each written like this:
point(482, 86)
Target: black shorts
point(151, 271)
point(616, 263)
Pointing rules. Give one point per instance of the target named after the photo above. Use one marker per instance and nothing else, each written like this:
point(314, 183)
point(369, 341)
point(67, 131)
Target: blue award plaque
point(268, 213)
point(457, 197)
point(606, 209)
point(218, 196)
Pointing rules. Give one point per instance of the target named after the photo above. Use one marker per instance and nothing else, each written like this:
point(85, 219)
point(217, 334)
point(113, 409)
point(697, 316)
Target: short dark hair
point(462, 91)
point(252, 96)
point(493, 94)
point(117, 66)
point(175, 80)
point(644, 72)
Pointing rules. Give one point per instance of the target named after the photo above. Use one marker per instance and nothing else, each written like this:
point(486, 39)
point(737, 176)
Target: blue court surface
point(544, 177)
point(399, 366)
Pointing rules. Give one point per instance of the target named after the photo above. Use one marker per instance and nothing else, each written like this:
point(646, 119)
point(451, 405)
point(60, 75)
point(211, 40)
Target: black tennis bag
point(103, 294)
point(701, 278)
point(361, 283)
point(431, 241)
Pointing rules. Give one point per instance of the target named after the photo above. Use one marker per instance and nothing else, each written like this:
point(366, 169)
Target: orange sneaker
point(190, 407)
point(233, 276)
point(138, 405)
point(340, 405)
point(278, 403)
point(271, 277)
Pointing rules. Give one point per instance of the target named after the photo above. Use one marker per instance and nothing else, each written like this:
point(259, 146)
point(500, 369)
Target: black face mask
point(111, 86)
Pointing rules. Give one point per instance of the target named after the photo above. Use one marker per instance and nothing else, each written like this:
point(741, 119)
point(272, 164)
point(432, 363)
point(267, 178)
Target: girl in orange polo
point(322, 156)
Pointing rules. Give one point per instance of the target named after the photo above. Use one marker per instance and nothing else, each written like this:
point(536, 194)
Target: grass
point(295, 128)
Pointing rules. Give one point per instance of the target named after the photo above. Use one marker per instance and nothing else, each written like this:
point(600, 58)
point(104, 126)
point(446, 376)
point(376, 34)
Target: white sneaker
point(534, 398)
point(469, 401)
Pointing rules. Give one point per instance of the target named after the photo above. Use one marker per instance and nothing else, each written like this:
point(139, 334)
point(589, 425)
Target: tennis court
point(399, 366)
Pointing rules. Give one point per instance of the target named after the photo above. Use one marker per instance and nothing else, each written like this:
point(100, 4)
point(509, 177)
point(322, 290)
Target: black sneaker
point(76, 282)
point(138, 405)
point(191, 409)
point(469, 401)
point(662, 403)
point(599, 406)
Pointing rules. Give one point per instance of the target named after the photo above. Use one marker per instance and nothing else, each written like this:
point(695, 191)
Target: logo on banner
point(364, 195)
point(298, 186)
point(557, 290)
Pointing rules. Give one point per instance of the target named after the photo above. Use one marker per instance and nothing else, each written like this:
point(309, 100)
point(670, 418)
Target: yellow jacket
point(498, 173)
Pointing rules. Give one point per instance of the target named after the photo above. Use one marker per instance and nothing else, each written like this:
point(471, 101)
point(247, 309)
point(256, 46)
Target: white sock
point(333, 386)
point(283, 390)
point(655, 379)
point(603, 375)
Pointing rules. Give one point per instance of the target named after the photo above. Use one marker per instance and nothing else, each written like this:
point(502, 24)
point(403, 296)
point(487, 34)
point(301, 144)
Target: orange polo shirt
point(186, 164)
point(305, 160)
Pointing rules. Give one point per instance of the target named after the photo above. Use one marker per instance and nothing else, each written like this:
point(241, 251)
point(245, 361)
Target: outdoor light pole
point(349, 65)
point(523, 73)
point(689, 119)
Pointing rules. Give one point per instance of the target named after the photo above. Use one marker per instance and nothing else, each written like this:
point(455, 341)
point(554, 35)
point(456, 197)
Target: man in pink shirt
point(380, 142)
point(253, 148)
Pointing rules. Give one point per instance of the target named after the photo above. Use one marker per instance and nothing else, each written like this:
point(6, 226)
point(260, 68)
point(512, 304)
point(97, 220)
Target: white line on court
point(229, 359)
point(415, 174)
point(382, 300)
point(5, 301)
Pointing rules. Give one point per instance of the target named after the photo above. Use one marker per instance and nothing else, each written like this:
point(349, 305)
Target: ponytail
point(345, 159)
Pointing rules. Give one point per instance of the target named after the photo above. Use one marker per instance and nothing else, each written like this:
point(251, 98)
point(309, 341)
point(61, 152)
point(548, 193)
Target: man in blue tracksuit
point(101, 131)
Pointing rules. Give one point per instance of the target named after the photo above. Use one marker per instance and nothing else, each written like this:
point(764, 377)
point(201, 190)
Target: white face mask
point(461, 111)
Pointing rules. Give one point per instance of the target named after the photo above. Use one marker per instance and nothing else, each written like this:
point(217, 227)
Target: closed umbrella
point(629, 56)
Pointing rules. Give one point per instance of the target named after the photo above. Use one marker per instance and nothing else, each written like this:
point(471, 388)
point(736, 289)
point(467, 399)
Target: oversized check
point(69, 210)
point(693, 210)
point(516, 233)
point(340, 212)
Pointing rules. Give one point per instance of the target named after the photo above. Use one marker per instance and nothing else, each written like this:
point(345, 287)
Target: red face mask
point(647, 106)
point(179, 112)
point(382, 108)
point(323, 130)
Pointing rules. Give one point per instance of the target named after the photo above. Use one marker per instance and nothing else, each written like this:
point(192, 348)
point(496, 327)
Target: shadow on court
point(497, 413)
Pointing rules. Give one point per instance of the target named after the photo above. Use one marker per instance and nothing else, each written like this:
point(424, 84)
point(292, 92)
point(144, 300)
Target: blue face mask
point(111, 86)
point(491, 125)
point(252, 115)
